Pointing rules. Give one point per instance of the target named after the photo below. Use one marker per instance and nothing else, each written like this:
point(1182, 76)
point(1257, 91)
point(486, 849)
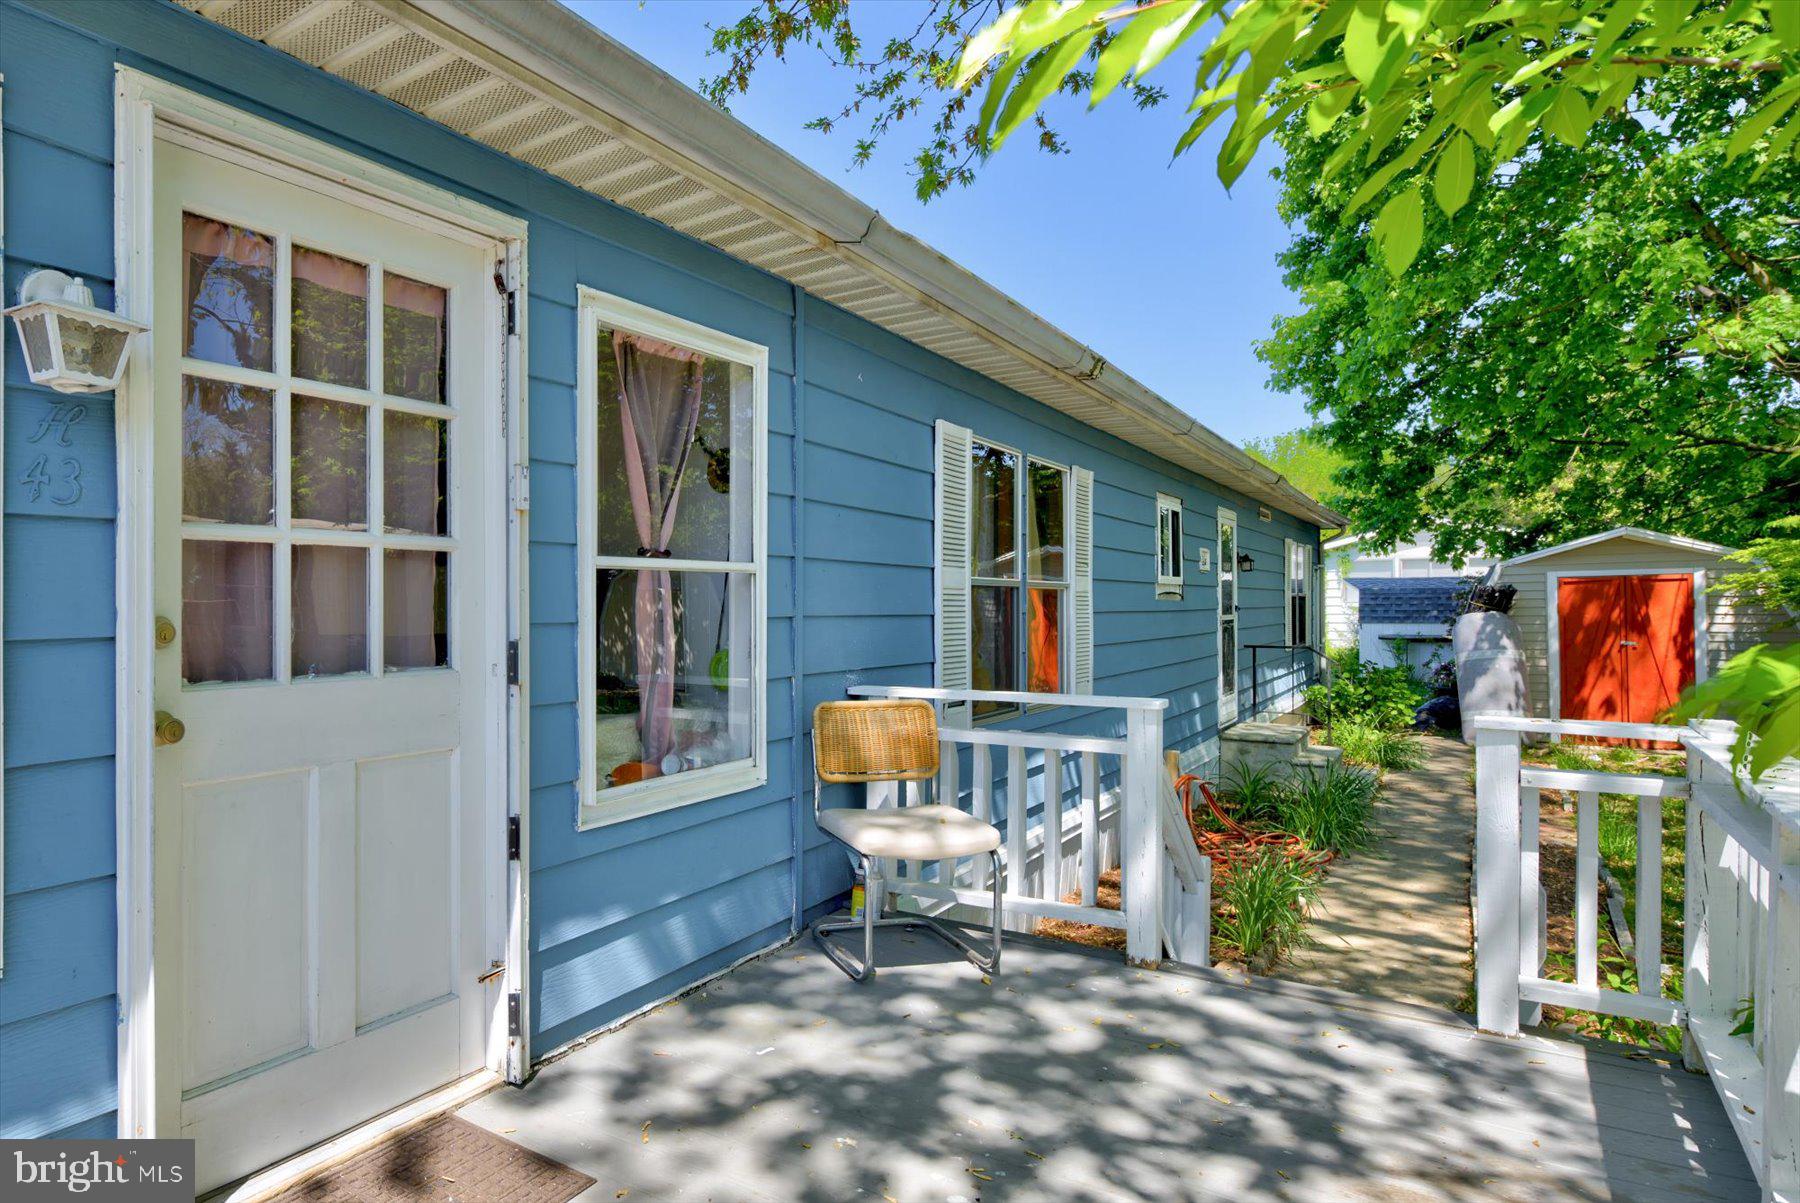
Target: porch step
point(1284, 744)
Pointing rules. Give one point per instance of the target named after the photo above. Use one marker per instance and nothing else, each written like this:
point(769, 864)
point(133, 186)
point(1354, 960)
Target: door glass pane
point(227, 607)
point(994, 539)
point(330, 318)
point(674, 657)
point(331, 610)
point(412, 338)
point(1044, 513)
point(1044, 651)
point(675, 451)
point(1228, 657)
point(994, 636)
point(228, 278)
point(415, 474)
point(415, 597)
point(227, 452)
point(330, 464)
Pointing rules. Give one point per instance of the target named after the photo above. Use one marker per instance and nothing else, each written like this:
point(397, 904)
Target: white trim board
point(1636, 533)
point(664, 793)
point(1553, 637)
point(148, 109)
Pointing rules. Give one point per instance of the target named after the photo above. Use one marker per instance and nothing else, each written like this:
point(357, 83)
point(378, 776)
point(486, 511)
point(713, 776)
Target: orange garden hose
point(1237, 844)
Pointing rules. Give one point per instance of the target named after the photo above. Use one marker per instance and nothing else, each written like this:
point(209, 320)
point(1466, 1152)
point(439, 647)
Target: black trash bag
point(1442, 713)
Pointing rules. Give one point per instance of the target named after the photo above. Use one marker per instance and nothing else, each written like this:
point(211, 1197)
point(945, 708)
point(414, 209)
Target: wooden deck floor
point(1072, 1077)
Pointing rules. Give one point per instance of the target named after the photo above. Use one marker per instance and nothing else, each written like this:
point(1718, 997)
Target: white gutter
point(647, 108)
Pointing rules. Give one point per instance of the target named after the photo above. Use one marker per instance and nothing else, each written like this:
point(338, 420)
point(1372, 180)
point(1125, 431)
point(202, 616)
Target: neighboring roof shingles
point(1418, 600)
point(536, 82)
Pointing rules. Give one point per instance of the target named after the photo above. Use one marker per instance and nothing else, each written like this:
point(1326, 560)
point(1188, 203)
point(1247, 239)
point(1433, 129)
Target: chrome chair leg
point(986, 961)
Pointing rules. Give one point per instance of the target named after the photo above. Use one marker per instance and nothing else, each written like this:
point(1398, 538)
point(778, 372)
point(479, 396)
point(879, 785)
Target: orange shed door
point(1627, 645)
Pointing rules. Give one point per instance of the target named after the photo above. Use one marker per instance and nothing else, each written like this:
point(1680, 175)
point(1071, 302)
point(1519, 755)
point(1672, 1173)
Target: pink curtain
point(659, 410)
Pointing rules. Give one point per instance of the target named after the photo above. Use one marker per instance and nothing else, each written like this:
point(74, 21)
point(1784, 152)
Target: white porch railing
point(1741, 917)
point(1053, 848)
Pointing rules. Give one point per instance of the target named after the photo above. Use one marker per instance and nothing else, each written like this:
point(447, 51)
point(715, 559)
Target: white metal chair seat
point(912, 832)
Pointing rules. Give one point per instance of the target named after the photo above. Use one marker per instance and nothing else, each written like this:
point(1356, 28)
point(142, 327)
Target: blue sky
point(1150, 263)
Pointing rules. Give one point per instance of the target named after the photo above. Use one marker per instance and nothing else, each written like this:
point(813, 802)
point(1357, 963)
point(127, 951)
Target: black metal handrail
point(1290, 649)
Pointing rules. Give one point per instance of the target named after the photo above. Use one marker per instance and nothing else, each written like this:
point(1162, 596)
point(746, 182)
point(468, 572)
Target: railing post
point(1779, 1016)
point(1142, 852)
point(1498, 863)
point(1696, 942)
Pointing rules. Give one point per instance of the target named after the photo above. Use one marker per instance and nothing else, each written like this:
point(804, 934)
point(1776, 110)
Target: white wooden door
point(325, 856)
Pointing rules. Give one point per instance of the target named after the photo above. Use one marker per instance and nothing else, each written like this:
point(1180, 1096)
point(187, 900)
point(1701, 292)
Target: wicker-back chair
point(893, 741)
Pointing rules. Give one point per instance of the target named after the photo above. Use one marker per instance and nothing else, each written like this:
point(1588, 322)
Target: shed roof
point(1418, 600)
point(1636, 533)
point(538, 83)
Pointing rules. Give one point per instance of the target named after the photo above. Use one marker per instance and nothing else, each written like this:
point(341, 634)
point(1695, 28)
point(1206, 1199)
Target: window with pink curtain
point(674, 568)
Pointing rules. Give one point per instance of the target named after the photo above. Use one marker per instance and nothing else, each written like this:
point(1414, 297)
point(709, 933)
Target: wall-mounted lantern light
point(69, 344)
point(1245, 563)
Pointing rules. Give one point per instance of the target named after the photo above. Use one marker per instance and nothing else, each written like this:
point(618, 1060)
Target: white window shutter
point(953, 503)
point(1081, 591)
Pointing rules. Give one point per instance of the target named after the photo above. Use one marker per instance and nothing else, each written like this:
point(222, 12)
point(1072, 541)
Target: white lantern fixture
point(69, 344)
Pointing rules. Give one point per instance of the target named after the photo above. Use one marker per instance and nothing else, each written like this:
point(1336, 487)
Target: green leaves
point(1400, 229)
point(1455, 174)
point(1760, 688)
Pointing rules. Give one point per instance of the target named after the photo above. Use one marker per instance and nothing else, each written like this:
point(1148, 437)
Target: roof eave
point(645, 106)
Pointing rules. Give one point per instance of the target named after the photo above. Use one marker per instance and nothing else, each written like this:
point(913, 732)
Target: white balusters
point(1090, 829)
point(1017, 818)
point(1051, 883)
point(1648, 920)
point(981, 803)
point(1587, 889)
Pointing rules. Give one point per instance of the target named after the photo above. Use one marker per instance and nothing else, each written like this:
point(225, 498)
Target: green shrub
point(1333, 811)
point(1254, 792)
point(1263, 906)
point(1378, 748)
point(1358, 693)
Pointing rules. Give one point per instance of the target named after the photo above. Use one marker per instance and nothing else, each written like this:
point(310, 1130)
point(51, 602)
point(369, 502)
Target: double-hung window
point(1168, 546)
point(1015, 608)
point(673, 513)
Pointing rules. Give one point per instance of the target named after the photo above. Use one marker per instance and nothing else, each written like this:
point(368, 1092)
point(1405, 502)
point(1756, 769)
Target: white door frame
point(1553, 637)
point(1227, 517)
point(146, 108)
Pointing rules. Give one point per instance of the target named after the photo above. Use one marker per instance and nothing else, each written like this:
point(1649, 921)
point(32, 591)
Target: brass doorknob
point(165, 632)
point(169, 729)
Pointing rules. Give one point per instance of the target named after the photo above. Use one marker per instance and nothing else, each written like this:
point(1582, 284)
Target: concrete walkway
point(1393, 922)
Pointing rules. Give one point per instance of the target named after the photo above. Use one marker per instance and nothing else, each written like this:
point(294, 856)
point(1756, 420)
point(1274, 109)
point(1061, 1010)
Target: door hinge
point(512, 661)
point(512, 837)
point(514, 1015)
point(521, 487)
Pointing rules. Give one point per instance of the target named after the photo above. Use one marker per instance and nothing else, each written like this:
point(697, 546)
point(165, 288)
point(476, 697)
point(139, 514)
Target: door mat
point(445, 1160)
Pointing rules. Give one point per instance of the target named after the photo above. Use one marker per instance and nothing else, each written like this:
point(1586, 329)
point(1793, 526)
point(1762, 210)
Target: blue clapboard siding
point(622, 915)
point(57, 1006)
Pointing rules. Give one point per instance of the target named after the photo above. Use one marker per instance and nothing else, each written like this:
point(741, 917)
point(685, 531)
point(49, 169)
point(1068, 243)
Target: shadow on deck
point(1073, 1077)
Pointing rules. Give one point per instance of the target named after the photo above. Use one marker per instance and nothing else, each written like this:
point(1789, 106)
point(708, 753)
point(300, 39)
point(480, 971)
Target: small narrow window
point(1168, 546)
point(1300, 593)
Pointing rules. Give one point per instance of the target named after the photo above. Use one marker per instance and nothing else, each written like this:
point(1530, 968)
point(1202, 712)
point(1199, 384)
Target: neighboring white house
point(1348, 561)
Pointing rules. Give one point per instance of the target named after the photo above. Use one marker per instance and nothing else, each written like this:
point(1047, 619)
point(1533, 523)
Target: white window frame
point(1170, 529)
point(623, 803)
point(1303, 571)
point(1022, 582)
